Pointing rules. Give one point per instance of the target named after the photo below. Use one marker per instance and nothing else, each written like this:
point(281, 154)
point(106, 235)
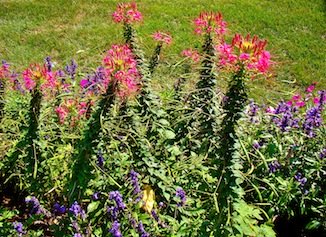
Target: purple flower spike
point(274, 166)
point(77, 211)
point(180, 193)
point(35, 205)
point(117, 198)
point(59, 209)
point(18, 227)
point(115, 229)
point(322, 154)
point(100, 159)
point(119, 206)
point(302, 180)
point(134, 181)
point(71, 69)
point(141, 230)
point(96, 196)
point(48, 63)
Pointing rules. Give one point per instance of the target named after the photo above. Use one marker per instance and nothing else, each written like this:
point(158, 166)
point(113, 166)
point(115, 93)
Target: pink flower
point(208, 22)
point(311, 88)
point(244, 56)
point(4, 70)
point(192, 54)
point(121, 66)
point(270, 109)
point(127, 13)
point(316, 100)
point(62, 113)
point(296, 97)
point(84, 83)
point(29, 79)
point(300, 104)
point(226, 55)
point(264, 62)
point(162, 37)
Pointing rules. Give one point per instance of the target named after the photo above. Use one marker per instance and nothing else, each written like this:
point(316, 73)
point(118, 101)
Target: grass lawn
point(83, 29)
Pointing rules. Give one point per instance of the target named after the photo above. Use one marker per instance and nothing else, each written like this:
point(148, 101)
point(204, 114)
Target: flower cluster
point(285, 116)
point(245, 52)
point(192, 54)
point(119, 206)
point(59, 209)
point(162, 37)
point(121, 66)
point(115, 229)
point(77, 210)
point(100, 159)
point(35, 206)
point(71, 69)
point(208, 22)
point(313, 119)
point(76, 109)
point(141, 230)
point(127, 13)
point(252, 112)
point(4, 71)
point(180, 193)
point(134, 182)
point(297, 100)
point(18, 227)
point(301, 179)
point(322, 154)
point(274, 166)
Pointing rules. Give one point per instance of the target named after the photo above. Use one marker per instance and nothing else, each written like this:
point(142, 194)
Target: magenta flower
point(162, 37)
point(127, 13)
point(192, 54)
point(121, 66)
point(208, 22)
point(244, 52)
point(311, 88)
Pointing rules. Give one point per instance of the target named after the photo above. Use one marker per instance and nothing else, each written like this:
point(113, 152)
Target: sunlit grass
point(31, 30)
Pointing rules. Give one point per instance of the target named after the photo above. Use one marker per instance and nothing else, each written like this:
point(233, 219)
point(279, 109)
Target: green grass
point(83, 29)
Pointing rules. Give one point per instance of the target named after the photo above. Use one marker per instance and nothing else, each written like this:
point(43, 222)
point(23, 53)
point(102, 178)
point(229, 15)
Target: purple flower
point(132, 221)
point(312, 120)
point(256, 145)
point(180, 193)
point(285, 117)
point(252, 112)
point(115, 229)
point(35, 205)
point(16, 84)
point(77, 211)
point(96, 196)
point(59, 209)
point(117, 198)
point(134, 181)
point(119, 206)
point(141, 230)
point(18, 227)
point(71, 69)
point(100, 159)
point(77, 235)
point(274, 166)
point(161, 204)
point(322, 154)
point(302, 180)
point(48, 63)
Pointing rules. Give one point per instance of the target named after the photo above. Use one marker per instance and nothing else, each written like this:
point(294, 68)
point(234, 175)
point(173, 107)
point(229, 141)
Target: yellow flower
point(148, 198)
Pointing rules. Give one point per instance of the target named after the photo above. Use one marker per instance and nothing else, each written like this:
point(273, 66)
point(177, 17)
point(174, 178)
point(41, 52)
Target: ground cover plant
point(102, 153)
